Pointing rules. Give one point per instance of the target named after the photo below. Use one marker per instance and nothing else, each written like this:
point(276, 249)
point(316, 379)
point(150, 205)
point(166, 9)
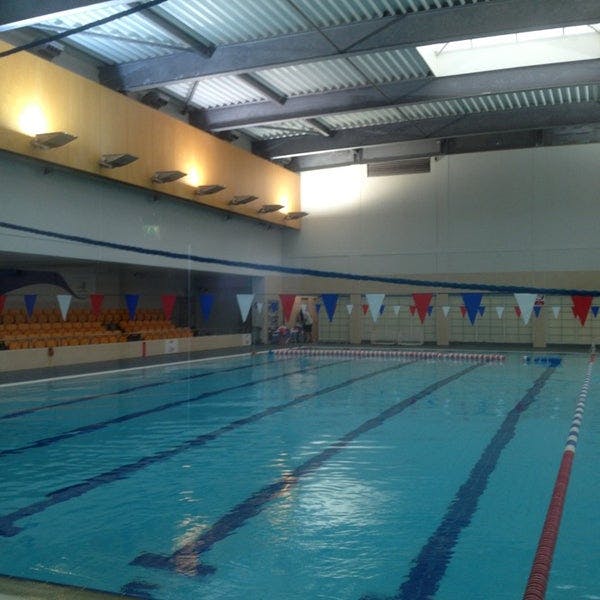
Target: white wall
point(507, 211)
point(75, 204)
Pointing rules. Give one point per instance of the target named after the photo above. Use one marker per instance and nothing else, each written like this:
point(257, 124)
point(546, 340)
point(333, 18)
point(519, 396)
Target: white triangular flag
point(396, 309)
point(445, 310)
point(259, 307)
point(375, 301)
point(64, 301)
point(304, 307)
point(526, 302)
point(499, 311)
point(245, 304)
point(349, 308)
point(556, 310)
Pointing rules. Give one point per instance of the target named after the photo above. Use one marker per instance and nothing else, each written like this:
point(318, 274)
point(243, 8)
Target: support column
point(355, 319)
point(442, 324)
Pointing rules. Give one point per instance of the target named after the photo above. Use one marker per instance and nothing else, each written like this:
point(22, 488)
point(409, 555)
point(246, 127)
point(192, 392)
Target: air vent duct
point(399, 167)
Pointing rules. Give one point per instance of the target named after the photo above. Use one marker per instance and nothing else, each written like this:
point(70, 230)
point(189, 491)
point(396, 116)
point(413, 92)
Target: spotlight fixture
point(268, 208)
point(293, 216)
point(113, 161)
point(238, 200)
point(54, 139)
point(167, 176)
point(206, 190)
point(50, 50)
point(155, 99)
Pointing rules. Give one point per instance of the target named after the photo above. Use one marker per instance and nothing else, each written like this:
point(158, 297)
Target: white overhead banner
point(375, 301)
point(445, 310)
point(245, 304)
point(64, 301)
point(526, 303)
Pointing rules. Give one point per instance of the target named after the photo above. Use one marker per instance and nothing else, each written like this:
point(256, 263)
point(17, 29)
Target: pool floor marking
point(8, 529)
point(34, 409)
point(430, 565)
point(254, 504)
point(148, 411)
point(540, 569)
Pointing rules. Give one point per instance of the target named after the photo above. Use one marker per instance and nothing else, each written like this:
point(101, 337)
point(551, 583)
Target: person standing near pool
point(307, 324)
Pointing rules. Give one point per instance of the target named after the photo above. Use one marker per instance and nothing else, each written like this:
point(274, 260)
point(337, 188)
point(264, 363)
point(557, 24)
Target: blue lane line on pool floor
point(8, 528)
point(250, 507)
point(430, 565)
point(70, 434)
point(34, 409)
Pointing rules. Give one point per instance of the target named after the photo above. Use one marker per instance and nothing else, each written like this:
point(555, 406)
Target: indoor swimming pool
point(294, 477)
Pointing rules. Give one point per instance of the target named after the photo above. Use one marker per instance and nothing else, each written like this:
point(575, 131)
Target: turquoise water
point(325, 478)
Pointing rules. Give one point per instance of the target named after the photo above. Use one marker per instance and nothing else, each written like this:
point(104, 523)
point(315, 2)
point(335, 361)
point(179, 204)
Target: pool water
point(293, 478)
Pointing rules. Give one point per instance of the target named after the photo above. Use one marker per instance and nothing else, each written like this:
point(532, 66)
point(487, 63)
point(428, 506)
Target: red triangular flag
point(422, 303)
point(518, 311)
point(2, 299)
point(365, 308)
point(168, 303)
point(287, 303)
point(96, 302)
point(463, 311)
point(581, 307)
point(412, 309)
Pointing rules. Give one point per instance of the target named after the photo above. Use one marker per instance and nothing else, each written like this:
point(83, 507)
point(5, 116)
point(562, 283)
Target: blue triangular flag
point(132, 302)
point(330, 302)
point(318, 307)
point(536, 310)
point(472, 303)
point(381, 309)
point(430, 310)
point(481, 310)
point(273, 306)
point(30, 303)
point(206, 304)
point(594, 310)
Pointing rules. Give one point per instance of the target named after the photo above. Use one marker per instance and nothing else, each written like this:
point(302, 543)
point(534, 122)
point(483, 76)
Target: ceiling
point(315, 84)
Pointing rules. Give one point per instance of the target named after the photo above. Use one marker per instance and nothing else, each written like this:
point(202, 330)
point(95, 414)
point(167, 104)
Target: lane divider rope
point(542, 562)
point(413, 354)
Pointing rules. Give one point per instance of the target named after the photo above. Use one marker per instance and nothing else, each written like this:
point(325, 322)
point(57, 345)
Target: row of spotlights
point(56, 139)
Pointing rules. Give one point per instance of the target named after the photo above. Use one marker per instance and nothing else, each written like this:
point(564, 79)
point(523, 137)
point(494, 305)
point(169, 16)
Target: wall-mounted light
point(113, 161)
point(293, 216)
point(206, 190)
point(268, 208)
point(54, 139)
point(167, 176)
point(155, 99)
point(238, 200)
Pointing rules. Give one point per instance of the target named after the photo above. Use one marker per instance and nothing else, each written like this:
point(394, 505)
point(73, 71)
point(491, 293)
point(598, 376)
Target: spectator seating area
point(46, 329)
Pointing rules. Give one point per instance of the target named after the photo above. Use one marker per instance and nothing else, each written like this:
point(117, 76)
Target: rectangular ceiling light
point(509, 51)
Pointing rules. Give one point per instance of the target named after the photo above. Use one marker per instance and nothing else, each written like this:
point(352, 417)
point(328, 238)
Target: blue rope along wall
point(507, 289)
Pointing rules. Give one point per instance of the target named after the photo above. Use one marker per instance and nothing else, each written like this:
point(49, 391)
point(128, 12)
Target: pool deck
point(14, 588)
point(8, 377)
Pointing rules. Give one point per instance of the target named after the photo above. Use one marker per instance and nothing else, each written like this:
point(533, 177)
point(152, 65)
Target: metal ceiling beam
point(263, 88)
point(23, 13)
point(401, 93)
point(439, 128)
point(159, 19)
point(508, 140)
point(425, 27)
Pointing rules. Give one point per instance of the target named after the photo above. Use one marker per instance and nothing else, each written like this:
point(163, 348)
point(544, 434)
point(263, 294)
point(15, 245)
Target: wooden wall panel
point(37, 96)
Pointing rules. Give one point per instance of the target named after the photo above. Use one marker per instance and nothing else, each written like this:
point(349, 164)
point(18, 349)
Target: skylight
point(563, 44)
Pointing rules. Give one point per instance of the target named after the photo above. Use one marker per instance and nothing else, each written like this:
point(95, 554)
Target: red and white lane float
point(390, 354)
